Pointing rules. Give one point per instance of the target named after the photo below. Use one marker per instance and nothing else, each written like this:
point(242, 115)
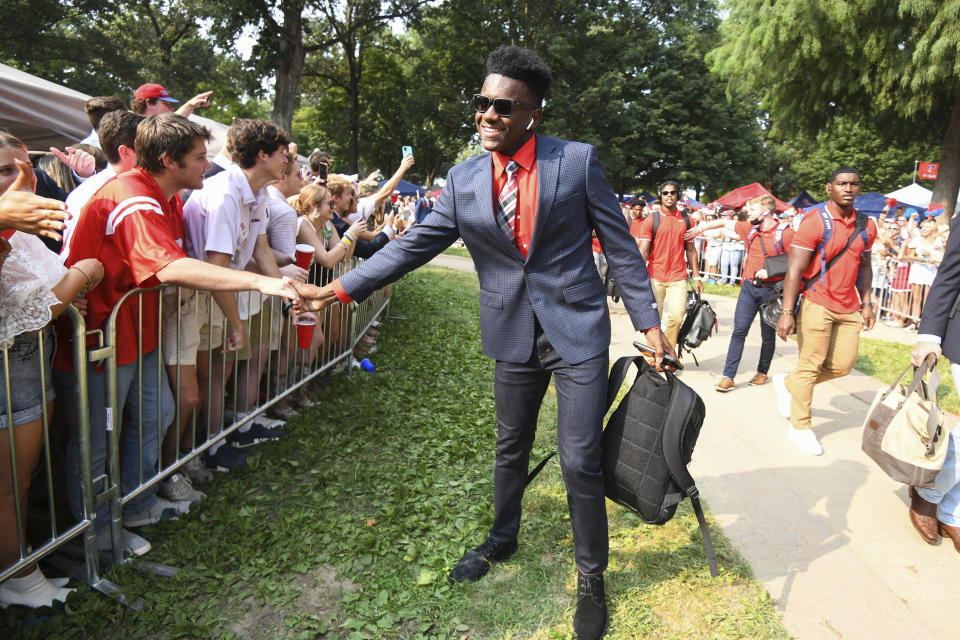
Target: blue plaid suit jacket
point(558, 282)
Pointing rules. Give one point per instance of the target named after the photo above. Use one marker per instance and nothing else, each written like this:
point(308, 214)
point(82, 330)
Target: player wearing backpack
point(831, 255)
point(667, 254)
point(764, 236)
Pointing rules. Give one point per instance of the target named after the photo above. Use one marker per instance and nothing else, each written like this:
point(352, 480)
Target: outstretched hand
point(24, 211)
point(314, 298)
point(80, 162)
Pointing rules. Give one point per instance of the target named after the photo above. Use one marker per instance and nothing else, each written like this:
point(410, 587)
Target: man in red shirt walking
point(667, 254)
point(837, 300)
point(764, 236)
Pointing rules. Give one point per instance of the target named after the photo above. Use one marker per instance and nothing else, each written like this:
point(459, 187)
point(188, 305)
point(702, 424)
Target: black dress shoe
point(590, 620)
point(475, 564)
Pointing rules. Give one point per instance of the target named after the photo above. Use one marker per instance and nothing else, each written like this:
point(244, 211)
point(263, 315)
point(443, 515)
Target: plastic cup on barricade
point(304, 255)
point(305, 327)
point(367, 366)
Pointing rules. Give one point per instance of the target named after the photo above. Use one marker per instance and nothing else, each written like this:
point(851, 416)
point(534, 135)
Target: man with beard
point(526, 210)
point(764, 236)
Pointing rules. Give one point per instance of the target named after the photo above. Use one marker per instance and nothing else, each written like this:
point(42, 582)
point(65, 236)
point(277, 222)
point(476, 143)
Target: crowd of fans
point(240, 242)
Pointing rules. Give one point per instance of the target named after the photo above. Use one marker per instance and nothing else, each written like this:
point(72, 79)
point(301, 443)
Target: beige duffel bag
point(904, 431)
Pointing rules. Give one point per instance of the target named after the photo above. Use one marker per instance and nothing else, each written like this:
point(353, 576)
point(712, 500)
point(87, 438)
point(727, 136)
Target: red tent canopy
point(739, 197)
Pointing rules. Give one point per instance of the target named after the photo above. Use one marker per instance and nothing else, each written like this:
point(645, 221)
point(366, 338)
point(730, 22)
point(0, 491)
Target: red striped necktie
point(507, 202)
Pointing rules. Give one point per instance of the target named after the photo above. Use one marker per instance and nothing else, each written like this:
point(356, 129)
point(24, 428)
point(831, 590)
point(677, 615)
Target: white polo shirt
point(226, 216)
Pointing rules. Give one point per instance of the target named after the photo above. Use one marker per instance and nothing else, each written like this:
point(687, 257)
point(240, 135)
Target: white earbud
point(530, 124)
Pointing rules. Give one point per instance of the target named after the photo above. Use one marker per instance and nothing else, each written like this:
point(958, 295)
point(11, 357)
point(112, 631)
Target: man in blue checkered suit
point(526, 210)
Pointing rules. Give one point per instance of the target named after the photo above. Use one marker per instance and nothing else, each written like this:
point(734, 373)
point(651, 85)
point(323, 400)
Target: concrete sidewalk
point(828, 536)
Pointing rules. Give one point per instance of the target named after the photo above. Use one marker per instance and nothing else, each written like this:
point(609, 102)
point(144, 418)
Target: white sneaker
point(783, 396)
point(163, 509)
point(178, 488)
point(32, 590)
point(196, 472)
point(805, 440)
point(132, 543)
point(268, 423)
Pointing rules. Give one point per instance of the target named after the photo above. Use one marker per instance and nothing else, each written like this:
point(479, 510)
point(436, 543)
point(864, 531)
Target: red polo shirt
point(764, 244)
point(667, 261)
point(838, 292)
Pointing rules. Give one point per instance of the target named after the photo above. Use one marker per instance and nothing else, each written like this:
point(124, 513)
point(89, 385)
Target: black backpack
point(699, 323)
point(647, 444)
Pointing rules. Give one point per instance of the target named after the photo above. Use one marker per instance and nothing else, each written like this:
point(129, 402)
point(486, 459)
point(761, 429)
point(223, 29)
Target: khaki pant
point(828, 345)
point(672, 302)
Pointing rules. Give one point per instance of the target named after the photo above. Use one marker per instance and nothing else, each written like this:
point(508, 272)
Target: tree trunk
point(353, 106)
point(289, 70)
point(948, 176)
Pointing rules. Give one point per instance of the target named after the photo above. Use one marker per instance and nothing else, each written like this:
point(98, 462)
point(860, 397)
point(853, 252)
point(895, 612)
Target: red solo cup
point(304, 255)
point(305, 326)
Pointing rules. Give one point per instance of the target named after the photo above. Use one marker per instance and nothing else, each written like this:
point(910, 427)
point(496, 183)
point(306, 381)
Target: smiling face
point(189, 172)
point(506, 134)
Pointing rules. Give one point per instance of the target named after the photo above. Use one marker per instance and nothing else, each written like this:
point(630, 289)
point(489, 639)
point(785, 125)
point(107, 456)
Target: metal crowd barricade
point(53, 544)
point(232, 398)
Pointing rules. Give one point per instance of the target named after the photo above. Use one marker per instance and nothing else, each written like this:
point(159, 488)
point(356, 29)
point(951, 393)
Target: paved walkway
point(828, 536)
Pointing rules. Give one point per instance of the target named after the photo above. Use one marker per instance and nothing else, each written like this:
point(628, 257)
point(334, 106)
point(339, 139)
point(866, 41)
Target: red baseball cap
point(152, 91)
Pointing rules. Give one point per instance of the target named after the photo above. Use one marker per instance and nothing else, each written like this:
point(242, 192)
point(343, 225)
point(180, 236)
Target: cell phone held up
point(407, 151)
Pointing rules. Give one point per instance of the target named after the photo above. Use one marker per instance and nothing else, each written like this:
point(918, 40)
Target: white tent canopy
point(44, 114)
point(913, 196)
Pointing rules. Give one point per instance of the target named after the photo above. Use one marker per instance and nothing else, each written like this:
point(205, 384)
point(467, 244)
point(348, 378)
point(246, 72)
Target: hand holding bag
point(904, 430)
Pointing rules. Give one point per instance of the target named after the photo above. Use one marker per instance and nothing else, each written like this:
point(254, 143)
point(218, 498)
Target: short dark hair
point(99, 106)
point(317, 157)
point(845, 169)
point(523, 65)
point(118, 128)
point(667, 184)
point(246, 138)
point(168, 135)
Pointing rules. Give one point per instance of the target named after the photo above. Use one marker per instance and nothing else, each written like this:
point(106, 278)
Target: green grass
point(721, 290)
point(463, 252)
point(347, 527)
point(886, 360)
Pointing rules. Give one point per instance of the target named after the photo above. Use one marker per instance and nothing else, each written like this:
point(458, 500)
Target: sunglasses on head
point(503, 107)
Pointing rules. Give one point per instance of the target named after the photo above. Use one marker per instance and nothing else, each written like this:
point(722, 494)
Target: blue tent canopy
point(871, 203)
point(407, 188)
point(802, 200)
point(635, 199)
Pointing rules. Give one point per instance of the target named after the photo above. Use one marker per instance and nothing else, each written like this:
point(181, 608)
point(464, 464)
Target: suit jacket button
point(526, 268)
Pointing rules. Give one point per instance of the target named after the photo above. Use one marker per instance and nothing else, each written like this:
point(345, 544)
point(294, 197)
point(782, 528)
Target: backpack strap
point(671, 445)
point(859, 230)
point(656, 224)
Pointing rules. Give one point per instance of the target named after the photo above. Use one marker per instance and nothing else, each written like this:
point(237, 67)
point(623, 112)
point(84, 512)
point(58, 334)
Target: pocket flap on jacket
point(581, 291)
point(492, 300)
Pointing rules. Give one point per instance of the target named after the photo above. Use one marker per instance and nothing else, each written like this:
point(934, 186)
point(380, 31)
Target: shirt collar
point(525, 157)
point(835, 213)
point(239, 179)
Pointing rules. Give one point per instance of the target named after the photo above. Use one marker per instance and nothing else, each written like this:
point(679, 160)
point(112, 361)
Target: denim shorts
point(24, 375)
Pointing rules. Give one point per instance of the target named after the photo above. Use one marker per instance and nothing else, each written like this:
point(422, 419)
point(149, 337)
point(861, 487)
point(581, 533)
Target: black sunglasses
point(668, 193)
point(503, 107)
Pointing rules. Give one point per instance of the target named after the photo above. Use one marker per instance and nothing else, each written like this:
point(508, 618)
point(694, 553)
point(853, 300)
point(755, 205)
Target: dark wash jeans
point(581, 394)
point(749, 301)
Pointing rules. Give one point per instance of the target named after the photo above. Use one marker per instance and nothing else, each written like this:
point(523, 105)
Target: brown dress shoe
point(923, 515)
point(724, 385)
point(758, 379)
point(949, 531)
